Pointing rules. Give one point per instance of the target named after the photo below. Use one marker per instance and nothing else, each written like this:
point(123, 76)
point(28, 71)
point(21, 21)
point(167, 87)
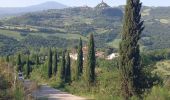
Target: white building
point(112, 56)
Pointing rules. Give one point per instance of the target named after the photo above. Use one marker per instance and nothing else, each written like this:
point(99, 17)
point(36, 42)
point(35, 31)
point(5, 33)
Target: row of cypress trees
point(64, 73)
point(89, 68)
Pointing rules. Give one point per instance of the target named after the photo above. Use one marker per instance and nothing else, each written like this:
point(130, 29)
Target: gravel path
point(47, 93)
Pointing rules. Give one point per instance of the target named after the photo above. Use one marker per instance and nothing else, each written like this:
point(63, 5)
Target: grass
point(13, 34)
point(60, 35)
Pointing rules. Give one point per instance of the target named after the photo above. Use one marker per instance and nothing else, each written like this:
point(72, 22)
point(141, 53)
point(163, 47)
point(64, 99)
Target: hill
point(13, 11)
point(70, 24)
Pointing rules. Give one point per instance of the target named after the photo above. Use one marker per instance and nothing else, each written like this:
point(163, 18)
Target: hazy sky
point(21, 3)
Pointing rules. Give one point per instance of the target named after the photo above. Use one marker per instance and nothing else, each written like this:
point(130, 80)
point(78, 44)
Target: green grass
point(13, 34)
point(60, 35)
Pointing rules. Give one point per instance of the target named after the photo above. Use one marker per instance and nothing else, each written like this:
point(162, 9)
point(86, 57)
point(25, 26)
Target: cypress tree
point(91, 62)
point(28, 69)
point(7, 58)
point(62, 68)
point(37, 60)
point(19, 63)
point(50, 64)
point(129, 49)
point(55, 63)
point(68, 69)
point(79, 68)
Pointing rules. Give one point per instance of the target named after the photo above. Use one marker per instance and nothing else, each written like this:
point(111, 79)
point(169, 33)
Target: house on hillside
point(112, 56)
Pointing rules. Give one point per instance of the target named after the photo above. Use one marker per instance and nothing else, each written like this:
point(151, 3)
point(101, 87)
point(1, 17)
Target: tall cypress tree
point(19, 63)
point(28, 69)
point(62, 68)
point(7, 58)
point(79, 68)
point(68, 69)
point(55, 62)
point(50, 64)
point(37, 60)
point(129, 49)
point(91, 62)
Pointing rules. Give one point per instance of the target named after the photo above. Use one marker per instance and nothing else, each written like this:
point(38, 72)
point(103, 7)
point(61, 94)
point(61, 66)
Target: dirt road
point(47, 93)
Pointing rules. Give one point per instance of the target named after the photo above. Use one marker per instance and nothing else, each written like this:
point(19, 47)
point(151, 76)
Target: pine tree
point(50, 64)
point(79, 68)
point(55, 63)
point(28, 69)
point(129, 49)
point(91, 62)
point(62, 69)
point(68, 69)
point(19, 63)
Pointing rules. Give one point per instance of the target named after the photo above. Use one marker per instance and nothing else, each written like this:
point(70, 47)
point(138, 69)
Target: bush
point(158, 93)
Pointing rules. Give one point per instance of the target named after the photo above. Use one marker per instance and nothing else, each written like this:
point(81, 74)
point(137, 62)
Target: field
point(13, 34)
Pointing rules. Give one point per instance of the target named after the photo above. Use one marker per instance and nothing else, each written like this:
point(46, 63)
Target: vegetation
point(62, 69)
point(79, 67)
point(68, 69)
point(91, 62)
point(133, 75)
point(130, 69)
point(10, 89)
point(55, 62)
point(50, 64)
point(28, 68)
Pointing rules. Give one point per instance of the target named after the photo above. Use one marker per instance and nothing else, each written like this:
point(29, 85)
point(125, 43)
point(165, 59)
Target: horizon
point(77, 3)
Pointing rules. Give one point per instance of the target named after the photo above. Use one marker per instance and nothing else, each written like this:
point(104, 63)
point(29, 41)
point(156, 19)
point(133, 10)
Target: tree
point(62, 68)
point(79, 68)
point(129, 49)
point(28, 69)
point(91, 61)
point(7, 58)
point(19, 63)
point(50, 64)
point(37, 60)
point(68, 69)
point(55, 62)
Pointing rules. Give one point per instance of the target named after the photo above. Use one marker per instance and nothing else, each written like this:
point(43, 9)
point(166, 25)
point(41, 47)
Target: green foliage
point(19, 92)
point(130, 69)
point(68, 69)
point(55, 63)
point(50, 56)
point(37, 60)
point(158, 93)
point(79, 67)
point(7, 58)
point(28, 68)
point(19, 63)
point(62, 67)
point(91, 62)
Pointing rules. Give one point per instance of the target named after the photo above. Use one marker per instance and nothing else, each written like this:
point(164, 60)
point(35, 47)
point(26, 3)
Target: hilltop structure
point(102, 5)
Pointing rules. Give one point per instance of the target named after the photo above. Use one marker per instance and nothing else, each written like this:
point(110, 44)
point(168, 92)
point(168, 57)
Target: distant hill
point(103, 21)
point(9, 11)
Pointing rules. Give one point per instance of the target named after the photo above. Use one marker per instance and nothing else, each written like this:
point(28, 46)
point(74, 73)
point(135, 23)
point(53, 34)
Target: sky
point(72, 3)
